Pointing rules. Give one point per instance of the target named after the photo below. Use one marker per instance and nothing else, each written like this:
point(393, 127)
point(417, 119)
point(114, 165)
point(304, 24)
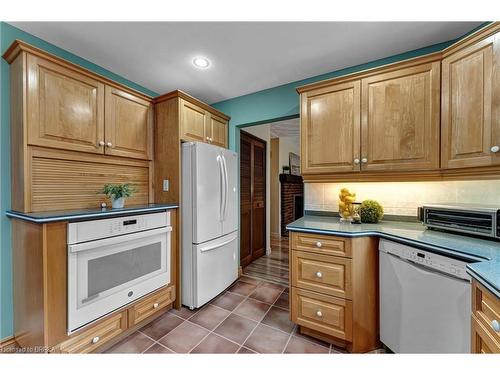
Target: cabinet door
point(471, 106)
point(218, 131)
point(65, 108)
point(129, 125)
point(330, 125)
point(194, 125)
point(400, 119)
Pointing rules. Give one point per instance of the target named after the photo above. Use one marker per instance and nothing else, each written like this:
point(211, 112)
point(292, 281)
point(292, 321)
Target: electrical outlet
point(165, 185)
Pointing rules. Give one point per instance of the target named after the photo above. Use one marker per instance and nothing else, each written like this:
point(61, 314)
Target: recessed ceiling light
point(201, 62)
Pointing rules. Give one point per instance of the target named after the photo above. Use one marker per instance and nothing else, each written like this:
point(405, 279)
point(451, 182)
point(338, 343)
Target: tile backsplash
point(403, 198)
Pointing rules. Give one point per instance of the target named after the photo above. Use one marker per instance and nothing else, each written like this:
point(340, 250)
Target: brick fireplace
point(292, 200)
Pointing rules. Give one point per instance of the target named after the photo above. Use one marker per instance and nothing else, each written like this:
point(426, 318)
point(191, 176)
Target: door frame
point(260, 140)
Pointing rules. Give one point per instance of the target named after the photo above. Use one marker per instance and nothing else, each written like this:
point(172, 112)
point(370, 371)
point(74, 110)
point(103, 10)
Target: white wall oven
point(112, 262)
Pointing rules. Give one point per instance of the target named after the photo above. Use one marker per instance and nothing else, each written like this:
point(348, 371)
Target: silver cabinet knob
point(95, 340)
point(319, 275)
point(155, 305)
point(207, 138)
point(495, 149)
point(319, 244)
point(109, 144)
point(101, 143)
point(319, 314)
point(495, 325)
point(364, 160)
point(356, 161)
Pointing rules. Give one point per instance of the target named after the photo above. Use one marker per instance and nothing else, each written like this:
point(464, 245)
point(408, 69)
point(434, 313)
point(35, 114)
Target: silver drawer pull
point(155, 305)
point(319, 275)
point(495, 325)
point(319, 314)
point(319, 244)
point(495, 149)
point(95, 340)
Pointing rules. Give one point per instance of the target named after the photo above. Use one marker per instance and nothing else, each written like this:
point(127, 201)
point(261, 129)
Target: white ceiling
point(285, 128)
point(246, 57)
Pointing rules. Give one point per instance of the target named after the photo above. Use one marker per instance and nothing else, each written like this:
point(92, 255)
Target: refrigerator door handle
point(222, 192)
point(226, 187)
point(217, 246)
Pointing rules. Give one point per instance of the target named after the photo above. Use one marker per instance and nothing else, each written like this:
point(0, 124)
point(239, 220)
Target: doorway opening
point(284, 198)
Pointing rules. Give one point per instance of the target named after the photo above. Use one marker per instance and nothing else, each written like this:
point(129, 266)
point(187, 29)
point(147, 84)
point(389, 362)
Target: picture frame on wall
point(294, 161)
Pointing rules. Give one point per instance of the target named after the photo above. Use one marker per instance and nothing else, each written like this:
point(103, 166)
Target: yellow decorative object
point(346, 207)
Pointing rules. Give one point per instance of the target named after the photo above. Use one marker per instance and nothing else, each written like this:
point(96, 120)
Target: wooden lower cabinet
point(97, 335)
point(107, 331)
point(485, 320)
point(335, 297)
point(150, 305)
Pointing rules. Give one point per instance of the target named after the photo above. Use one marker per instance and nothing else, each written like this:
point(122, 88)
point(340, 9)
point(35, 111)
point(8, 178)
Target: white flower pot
point(118, 203)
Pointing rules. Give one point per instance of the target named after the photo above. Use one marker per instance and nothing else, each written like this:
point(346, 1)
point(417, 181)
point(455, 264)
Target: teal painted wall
point(8, 34)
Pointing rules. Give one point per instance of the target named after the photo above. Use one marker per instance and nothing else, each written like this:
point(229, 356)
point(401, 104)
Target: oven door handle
point(91, 245)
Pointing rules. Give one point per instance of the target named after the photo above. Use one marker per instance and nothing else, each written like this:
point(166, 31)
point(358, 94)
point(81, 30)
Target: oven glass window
point(110, 271)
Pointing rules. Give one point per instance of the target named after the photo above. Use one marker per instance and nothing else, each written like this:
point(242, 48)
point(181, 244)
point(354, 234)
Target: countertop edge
point(491, 287)
point(90, 215)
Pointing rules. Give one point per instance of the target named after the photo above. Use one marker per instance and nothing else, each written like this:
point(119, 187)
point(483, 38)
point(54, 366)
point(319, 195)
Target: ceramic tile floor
point(251, 316)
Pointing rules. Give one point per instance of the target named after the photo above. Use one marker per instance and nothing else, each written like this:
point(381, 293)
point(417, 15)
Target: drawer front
point(486, 308)
point(482, 342)
point(325, 314)
point(321, 244)
point(150, 305)
point(322, 273)
point(97, 335)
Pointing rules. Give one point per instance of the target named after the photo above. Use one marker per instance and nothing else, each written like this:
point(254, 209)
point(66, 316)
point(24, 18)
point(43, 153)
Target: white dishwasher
point(425, 301)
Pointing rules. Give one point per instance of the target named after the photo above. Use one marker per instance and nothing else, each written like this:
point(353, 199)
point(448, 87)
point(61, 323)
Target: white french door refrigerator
point(209, 222)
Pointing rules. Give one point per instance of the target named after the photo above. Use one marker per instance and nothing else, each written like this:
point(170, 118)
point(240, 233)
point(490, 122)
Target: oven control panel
point(84, 231)
point(427, 259)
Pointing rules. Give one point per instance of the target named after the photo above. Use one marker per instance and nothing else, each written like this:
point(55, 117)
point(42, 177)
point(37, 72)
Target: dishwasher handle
point(429, 270)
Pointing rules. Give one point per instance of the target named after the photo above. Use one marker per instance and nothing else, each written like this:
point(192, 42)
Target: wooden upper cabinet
point(217, 131)
point(194, 122)
point(330, 129)
point(470, 111)
point(129, 125)
point(400, 119)
point(65, 109)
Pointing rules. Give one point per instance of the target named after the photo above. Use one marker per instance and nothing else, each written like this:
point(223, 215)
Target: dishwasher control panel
point(444, 264)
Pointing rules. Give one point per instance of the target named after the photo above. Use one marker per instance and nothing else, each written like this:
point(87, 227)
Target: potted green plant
point(371, 211)
point(118, 192)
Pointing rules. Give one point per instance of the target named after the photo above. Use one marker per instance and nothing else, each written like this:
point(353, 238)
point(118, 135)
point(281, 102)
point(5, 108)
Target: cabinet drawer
point(329, 315)
point(321, 273)
point(321, 244)
point(486, 308)
point(150, 305)
point(482, 342)
point(97, 335)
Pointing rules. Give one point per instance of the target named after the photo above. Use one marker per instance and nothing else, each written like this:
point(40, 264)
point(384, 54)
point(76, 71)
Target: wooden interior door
point(66, 108)
point(193, 122)
point(129, 125)
point(400, 119)
point(252, 198)
point(330, 129)
point(470, 112)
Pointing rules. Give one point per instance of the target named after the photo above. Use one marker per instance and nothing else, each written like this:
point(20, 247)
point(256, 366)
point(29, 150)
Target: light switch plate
point(165, 185)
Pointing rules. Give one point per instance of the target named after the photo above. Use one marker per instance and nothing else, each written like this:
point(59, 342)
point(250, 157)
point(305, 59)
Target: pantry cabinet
point(470, 112)
point(330, 129)
point(65, 109)
point(400, 119)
